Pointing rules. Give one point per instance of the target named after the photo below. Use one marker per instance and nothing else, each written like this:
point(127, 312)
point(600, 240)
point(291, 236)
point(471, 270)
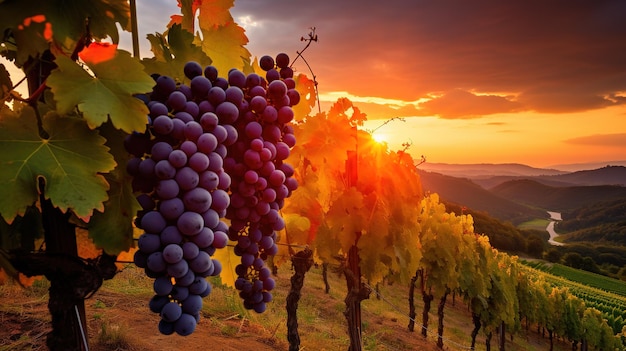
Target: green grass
point(536, 224)
point(586, 278)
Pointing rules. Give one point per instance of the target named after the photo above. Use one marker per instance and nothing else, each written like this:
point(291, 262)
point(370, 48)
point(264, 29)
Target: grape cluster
point(261, 179)
point(178, 171)
point(214, 148)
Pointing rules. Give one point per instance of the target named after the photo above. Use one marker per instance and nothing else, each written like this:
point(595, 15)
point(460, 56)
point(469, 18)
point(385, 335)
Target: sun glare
point(379, 138)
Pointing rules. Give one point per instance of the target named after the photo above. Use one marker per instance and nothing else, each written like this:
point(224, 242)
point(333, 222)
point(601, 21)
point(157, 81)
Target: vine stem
point(312, 37)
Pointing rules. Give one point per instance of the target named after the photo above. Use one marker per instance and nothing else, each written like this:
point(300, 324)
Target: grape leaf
point(70, 162)
point(215, 13)
point(112, 230)
point(229, 261)
point(225, 46)
point(108, 94)
point(5, 83)
point(170, 56)
point(35, 23)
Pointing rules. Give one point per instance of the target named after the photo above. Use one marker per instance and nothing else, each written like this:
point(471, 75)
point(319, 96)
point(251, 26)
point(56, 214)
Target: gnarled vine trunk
point(440, 307)
point(476, 320)
point(412, 313)
point(301, 262)
point(357, 292)
point(427, 298)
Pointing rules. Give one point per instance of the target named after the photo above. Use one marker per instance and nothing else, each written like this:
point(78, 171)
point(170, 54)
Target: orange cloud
point(462, 104)
point(611, 140)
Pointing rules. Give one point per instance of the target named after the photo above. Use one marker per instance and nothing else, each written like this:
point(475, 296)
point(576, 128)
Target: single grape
point(192, 69)
point(171, 312)
point(282, 60)
point(177, 101)
point(185, 325)
point(266, 62)
point(172, 253)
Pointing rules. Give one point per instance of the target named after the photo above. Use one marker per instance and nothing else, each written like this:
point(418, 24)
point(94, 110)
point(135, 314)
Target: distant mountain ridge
point(487, 169)
point(520, 198)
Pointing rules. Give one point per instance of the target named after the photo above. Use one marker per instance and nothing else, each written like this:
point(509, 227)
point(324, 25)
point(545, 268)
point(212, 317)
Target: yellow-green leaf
point(107, 95)
point(70, 161)
point(225, 46)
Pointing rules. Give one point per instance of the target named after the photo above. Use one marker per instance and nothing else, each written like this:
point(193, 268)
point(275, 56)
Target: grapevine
point(214, 149)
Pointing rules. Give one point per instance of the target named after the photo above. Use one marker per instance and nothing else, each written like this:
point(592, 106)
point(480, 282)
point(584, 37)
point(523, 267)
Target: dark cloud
point(462, 104)
point(612, 140)
point(555, 56)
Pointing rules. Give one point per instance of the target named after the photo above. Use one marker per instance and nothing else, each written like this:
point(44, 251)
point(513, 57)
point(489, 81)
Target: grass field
point(119, 319)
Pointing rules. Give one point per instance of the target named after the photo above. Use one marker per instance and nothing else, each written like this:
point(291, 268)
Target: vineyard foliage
point(65, 144)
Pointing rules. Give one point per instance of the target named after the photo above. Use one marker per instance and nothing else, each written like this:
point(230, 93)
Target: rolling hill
point(535, 194)
point(466, 193)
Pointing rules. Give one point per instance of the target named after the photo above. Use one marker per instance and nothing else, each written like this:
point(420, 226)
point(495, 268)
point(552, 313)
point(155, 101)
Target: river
point(554, 217)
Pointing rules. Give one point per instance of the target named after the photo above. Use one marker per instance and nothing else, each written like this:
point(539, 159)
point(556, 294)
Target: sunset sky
point(534, 81)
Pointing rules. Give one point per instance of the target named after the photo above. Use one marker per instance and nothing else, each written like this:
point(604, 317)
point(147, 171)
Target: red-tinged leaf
point(97, 53)
point(214, 13)
point(187, 18)
point(35, 23)
point(70, 161)
point(107, 95)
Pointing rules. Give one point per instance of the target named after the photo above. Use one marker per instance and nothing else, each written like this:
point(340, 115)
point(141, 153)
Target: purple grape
point(178, 269)
point(209, 180)
point(227, 112)
point(197, 200)
point(167, 189)
point(207, 142)
point(171, 312)
point(282, 60)
point(162, 125)
point(200, 87)
point(165, 85)
point(187, 178)
point(266, 62)
point(172, 253)
point(220, 200)
point(216, 95)
point(157, 303)
point(185, 325)
point(163, 286)
point(211, 73)
point(149, 243)
point(190, 223)
point(192, 69)
point(155, 262)
point(153, 222)
point(204, 238)
point(176, 101)
point(190, 250)
point(220, 239)
point(164, 170)
point(192, 304)
point(237, 78)
point(272, 75)
point(171, 235)
point(199, 162)
point(201, 263)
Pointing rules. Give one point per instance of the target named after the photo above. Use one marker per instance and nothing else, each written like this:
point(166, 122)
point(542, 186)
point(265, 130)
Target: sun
point(380, 138)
